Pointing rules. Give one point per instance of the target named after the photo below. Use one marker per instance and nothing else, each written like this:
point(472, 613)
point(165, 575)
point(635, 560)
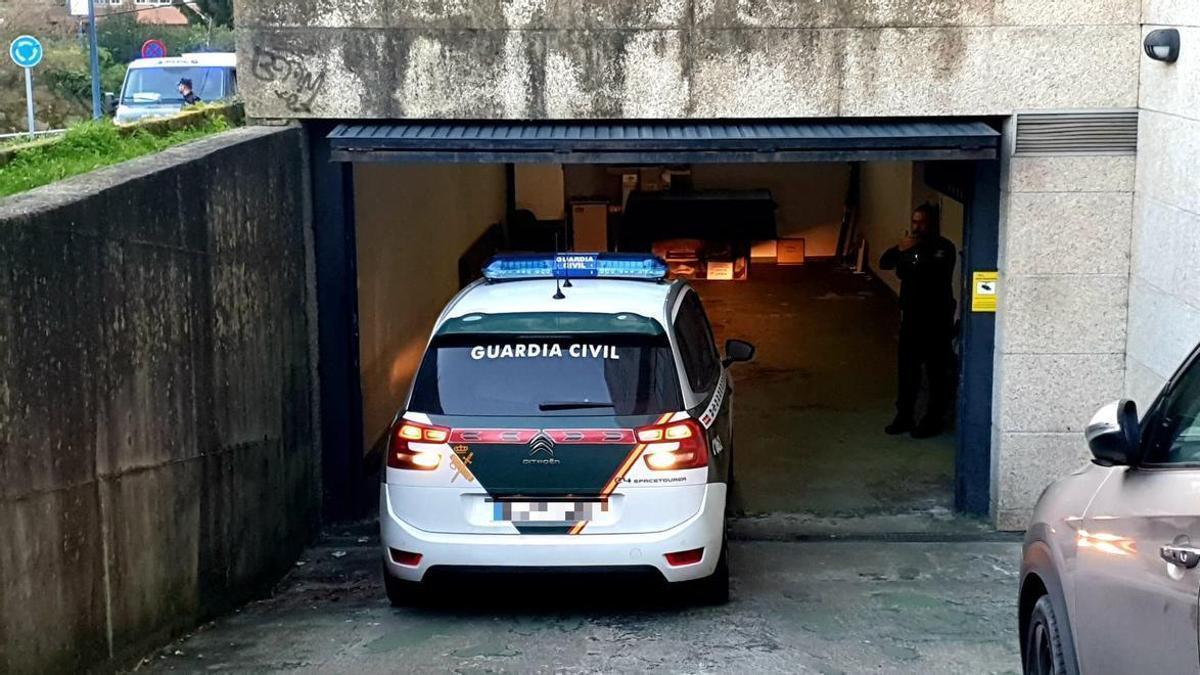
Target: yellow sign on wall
point(984, 291)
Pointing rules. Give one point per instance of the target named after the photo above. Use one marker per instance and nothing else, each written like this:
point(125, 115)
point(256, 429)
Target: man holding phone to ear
point(924, 260)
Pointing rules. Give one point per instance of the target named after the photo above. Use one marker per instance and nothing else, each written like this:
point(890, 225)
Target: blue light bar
point(642, 266)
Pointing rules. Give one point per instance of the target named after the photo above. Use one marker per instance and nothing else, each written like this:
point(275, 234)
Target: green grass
point(89, 146)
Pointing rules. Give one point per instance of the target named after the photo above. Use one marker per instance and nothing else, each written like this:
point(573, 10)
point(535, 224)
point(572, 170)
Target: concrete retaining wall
point(157, 453)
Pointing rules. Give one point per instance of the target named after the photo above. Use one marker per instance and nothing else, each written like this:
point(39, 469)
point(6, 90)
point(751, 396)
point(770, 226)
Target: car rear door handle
point(1183, 556)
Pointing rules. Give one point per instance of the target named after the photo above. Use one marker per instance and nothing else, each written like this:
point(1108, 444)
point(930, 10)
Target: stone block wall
point(1062, 320)
point(1164, 294)
point(158, 460)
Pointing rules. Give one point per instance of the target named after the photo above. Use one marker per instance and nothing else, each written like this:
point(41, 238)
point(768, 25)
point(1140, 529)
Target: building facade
point(1099, 293)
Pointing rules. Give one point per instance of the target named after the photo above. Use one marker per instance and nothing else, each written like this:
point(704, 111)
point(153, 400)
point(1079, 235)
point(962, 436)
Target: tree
point(122, 35)
point(220, 11)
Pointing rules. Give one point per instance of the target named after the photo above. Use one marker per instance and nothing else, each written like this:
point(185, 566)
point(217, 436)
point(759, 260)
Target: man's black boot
point(900, 425)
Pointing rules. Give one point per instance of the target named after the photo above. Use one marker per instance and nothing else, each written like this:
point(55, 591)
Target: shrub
point(67, 71)
point(91, 145)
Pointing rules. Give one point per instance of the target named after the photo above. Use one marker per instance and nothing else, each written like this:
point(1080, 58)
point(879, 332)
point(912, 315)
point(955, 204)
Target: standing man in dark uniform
point(925, 262)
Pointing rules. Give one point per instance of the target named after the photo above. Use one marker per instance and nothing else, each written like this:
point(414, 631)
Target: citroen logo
point(541, 451)
point(541, 444)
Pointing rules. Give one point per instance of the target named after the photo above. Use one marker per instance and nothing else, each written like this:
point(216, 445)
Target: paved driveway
point(827, 607)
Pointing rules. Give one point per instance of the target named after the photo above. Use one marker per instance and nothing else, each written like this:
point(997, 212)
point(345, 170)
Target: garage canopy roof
point(605, 142)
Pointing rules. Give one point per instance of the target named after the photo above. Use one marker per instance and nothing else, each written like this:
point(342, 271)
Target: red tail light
point(405, 558)
point(401, 455)
point(685, 557)
point(674, 446)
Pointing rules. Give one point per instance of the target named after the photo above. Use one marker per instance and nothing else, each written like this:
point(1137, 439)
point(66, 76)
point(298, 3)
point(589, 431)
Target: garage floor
point(823, 607)
point(810, 410)
point(810, 451)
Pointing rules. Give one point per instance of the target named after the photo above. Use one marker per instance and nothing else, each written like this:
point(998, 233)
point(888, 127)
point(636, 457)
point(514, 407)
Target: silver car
point(1109, 580)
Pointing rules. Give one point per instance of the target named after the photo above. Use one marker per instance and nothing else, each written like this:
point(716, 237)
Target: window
point(700, 358)
point(538, 375)
point(152, 86)
point(1172, 434)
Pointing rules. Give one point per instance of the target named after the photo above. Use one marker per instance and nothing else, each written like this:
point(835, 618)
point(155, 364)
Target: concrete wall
point(582, 181)
point(683, 58)
point(157, 452)
point(539, 189)
point(1064, 260)
point(413, 222)
point(1164, 294)
point(885, 211)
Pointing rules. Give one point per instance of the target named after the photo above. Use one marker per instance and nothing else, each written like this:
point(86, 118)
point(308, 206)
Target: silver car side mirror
point(1114, 435)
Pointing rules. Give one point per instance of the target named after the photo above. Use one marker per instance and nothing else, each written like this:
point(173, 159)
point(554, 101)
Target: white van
point(151, 85)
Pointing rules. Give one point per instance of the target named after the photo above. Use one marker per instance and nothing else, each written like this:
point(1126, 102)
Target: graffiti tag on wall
point(295, 82)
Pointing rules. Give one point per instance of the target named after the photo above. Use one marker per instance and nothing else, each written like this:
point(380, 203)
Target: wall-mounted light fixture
point(1163, 45)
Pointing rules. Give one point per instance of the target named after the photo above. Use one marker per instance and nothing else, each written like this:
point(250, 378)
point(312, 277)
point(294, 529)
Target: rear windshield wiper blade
point(572, 405)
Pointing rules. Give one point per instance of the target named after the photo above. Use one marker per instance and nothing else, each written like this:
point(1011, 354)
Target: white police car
point(571, 413)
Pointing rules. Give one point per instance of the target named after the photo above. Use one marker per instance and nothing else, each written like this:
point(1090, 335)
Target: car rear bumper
point(704, 530)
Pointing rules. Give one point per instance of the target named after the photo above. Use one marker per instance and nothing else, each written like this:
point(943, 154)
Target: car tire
point(1043, 653)
point(401, 593)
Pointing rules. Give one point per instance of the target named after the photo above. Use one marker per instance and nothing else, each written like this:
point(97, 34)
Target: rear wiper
point(572, 405)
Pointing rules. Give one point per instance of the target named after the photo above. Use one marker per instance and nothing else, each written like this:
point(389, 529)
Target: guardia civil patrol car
point(571, 413)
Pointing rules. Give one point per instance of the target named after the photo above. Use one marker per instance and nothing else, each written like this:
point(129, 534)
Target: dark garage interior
point(810, 410)
point(785, 254)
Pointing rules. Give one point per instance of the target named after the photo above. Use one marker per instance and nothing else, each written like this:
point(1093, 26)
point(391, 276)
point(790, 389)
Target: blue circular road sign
point(26, 51)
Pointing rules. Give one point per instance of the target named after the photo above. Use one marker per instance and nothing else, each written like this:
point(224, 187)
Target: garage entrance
point(407, 212)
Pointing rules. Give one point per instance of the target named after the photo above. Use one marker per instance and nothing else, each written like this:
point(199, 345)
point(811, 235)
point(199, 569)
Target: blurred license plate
point(551, 513)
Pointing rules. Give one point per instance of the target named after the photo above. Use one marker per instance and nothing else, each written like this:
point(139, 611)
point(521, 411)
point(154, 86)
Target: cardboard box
point(764, 250)
point(791, 252)
point(720, 271)
point(589, 221)
point(727, 270)
point(686, 269)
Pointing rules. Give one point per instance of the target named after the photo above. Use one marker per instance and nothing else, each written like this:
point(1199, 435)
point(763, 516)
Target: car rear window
point(521, 375)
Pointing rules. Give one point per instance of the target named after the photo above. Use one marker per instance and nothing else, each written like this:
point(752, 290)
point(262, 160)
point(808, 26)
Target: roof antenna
point(558, 294)
point(567, 281)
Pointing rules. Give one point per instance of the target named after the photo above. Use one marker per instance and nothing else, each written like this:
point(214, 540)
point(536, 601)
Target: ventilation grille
point(1106, 132)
